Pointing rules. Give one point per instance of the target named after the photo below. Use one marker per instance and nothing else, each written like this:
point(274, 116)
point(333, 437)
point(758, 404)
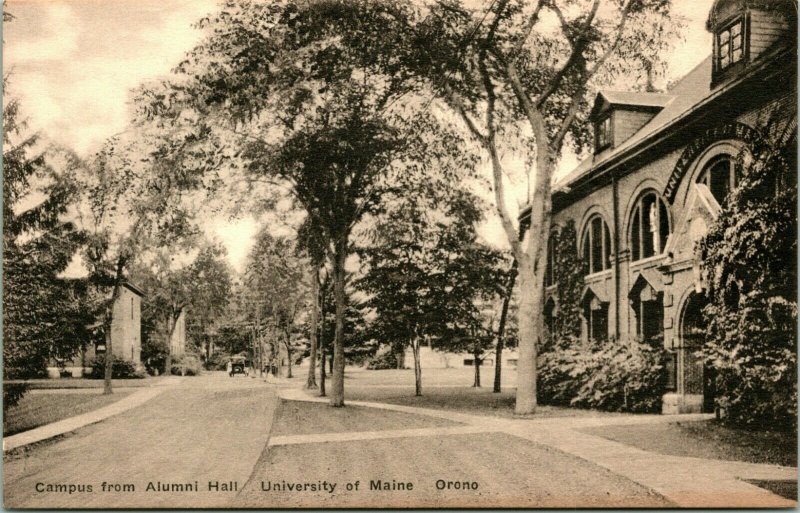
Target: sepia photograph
point(311, 254)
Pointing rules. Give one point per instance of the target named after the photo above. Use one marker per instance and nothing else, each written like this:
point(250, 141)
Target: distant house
point(126, 336)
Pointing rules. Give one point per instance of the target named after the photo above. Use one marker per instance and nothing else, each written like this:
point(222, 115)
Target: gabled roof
point(133, 288)
point(683, 96)
point(636, 99)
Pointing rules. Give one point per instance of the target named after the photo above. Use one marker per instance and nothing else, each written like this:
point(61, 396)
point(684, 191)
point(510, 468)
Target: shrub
point(218, 361)
point(120, 369)
point(187, 364)
point(614, 376)
point(12, 393)
point(386, 358)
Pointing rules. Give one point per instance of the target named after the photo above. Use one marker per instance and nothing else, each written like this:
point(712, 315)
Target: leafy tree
point(751, 316)
point(276, 276)
point(135, 196)
point(425, 269)
point(295, 93)
point(211, 281)
point(198, 290)
point(311, 241)
point(44, 316)
point(520, 74)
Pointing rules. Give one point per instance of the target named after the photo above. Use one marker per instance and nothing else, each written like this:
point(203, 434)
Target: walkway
point(688, 482)
point(70, 424)
point(204, 430)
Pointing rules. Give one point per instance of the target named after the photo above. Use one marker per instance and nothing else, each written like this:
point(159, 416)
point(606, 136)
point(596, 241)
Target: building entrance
point(698, 378)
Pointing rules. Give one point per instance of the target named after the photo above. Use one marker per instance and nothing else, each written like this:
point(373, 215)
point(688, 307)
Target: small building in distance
point(126, 337)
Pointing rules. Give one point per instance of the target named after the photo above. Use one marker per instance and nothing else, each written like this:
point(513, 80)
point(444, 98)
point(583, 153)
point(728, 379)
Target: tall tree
point(277, 277)
point(501, 327)
point(311, 241)
point(44, 315)
point(527, 70)
point(296, 93)
point(134, 196)
point(425, 268)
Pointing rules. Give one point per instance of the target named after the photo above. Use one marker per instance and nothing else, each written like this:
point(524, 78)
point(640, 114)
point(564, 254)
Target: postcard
point(399, 254)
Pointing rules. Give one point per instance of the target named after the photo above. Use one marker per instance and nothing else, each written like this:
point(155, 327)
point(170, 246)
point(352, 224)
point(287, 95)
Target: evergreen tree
point(43, 318)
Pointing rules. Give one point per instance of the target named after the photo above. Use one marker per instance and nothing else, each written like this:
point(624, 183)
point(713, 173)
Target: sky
point(73, 63)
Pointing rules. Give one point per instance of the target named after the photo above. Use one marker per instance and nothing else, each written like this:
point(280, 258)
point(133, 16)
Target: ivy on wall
point(568, 279)
point(750, 256)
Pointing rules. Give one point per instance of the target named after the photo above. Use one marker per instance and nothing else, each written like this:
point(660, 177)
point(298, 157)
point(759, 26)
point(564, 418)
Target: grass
point(707, 439)
point(507, 471)
point(786, 489)
point(301, 418)
point(36, 410)
point(47, 384)
point(456, 376)
point(448, 389)
point(476, 401)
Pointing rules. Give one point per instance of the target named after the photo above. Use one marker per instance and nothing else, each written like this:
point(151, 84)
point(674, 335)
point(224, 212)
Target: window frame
point(733, 170)
point(587, 241)
point(636, 233)
point(744, 36)
point(603, 133)
point(596, 319)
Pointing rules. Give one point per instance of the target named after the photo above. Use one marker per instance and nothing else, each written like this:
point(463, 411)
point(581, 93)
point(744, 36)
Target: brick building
point(662, 165)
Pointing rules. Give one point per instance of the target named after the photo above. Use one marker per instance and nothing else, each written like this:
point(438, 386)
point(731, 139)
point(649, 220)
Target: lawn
point(37, 384)
point(448, 389)
point(707, 439)
point(303, 418)
point(476, 401)
point(38, 409)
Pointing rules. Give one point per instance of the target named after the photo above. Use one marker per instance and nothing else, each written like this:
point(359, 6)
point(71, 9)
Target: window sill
point(598, 276)
point(652, 261)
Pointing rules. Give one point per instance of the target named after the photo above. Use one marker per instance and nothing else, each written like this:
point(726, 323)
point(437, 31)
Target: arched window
point(596, 243)
point(649, 226)
point(720, 176)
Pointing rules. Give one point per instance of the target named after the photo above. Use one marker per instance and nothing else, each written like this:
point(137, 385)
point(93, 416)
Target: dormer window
point(730, 44)
point(603, 134)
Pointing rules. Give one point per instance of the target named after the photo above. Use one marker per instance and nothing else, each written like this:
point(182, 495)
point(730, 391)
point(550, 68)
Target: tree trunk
point(107, 322)
point(311, 382)
point(476, 362)
point(417, 367)
point(322, 368)
point(288, 356)
point(501, 328)
point(337, 376)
